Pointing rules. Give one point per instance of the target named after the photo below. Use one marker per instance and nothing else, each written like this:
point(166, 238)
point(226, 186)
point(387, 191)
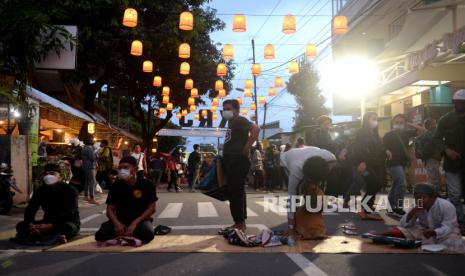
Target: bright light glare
point(355, 76)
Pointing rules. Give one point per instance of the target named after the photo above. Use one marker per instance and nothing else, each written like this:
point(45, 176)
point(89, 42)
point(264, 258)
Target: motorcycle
point(8, 189)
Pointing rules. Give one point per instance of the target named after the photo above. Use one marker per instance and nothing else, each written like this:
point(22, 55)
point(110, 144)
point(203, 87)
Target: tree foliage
point(310, 102)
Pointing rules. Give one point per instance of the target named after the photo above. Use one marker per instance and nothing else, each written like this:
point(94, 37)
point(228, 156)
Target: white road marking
point(268, 206)
point(306, 265)
point(260, 227)
point(172, 210)
point(206, 210)
point(91, 217)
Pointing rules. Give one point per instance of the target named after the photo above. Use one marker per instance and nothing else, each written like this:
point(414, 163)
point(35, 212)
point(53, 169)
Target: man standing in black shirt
point(130, 205)
point(59, 201)
point(239, 139)
point(193, 167)
point(321, 138)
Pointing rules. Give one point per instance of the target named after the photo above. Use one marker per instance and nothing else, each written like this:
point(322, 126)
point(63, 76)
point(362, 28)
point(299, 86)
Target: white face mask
point(397, 126)
point(373, 124)
point(228, 114)
point(50, 179)
point(124, 174)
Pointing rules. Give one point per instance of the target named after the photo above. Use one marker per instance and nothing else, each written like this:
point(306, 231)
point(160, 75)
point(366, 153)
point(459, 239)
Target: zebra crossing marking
point(172, 210)
point(206, 210)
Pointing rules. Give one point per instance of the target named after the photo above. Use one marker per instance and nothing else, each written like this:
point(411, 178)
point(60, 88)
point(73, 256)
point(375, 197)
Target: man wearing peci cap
point(450, 139)
point(59, 202)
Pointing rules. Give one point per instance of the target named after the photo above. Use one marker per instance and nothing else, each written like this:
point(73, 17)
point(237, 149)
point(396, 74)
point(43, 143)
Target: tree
point(304, 87)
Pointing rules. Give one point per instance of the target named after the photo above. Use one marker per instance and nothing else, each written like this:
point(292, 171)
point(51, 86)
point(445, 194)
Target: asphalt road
point(194, 213)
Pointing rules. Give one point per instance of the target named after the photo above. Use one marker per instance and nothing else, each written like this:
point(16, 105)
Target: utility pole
point(255, 85)
point(264, 121)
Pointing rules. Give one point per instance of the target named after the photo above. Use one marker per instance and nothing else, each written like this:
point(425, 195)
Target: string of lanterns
point(186, 23)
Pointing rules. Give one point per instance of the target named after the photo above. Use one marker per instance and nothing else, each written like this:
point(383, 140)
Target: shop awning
point(126, 133)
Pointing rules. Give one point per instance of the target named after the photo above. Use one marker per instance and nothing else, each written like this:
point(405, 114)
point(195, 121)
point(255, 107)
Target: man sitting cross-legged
point(59, 201)
point(130, 205)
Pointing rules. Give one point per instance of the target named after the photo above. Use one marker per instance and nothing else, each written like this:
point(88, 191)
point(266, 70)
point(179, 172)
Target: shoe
point(397, 213)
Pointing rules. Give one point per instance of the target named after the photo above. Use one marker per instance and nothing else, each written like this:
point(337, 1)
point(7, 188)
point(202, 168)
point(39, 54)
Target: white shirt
point(140, 159)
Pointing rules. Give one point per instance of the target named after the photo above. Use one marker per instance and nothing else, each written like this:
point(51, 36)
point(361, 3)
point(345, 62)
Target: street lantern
point(185, 68)
point(162, 110)
point(166, 99)
point(244, 112)
point(189, 84)
point(136, 48)
point(213, 108)
point(196, 116)
point(239, 99)
point(184, 112)
point(215, 116)
point(271, 91)
point(169, 106)
point(165, 91)
point(222, 93)
point(191, 101)
point(310, 51)
point(293, 67)
point(221, 70)
point(228, 52)
point(157, 81)
point(204, 113)
point(239, 23)
point(192, 108)
point(194, 93)
point(248, 84)
point(215, 101)
point(269, 52)
point(262, 100)
point(184, 50)
point(253, 106)
point(91, 128)
point(178, 115)
point(289, 24)
point(340, 25)
point(278, 82)
point(130, 18)
point(147, 66)
point(247, 93)
point(186, 21)
point(256, 69)
point(218, 85)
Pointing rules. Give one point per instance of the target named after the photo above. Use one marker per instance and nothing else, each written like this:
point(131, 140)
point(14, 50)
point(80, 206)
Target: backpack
point(424, 146)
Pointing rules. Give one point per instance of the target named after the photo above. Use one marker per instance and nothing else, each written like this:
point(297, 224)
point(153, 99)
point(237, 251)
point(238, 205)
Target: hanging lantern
point(213, 108)
point(289, 24)
point(169, 106)
point(269, 52)
point(196, 116)
point(178, 115)
point(218, 85)
point(293, 67)
point(136, 48)
point(239, 23)
point(256, 69)
point(192, 108)
point(184, 50)
point(165, 91)
point(239, 100)
point(271, 91)
point(253, 106)
point(184, 112)
point(221, 70)
point(340, 25)
point(186, 21)
point(191, 101)
point(166, 99)
point(194, 93)
point(185, 68)
point(247, 93)
point(147, 66)
point(157, 81)
point(189, 84)
point(244, 112)
point(215, 116)
point(278, 82)
point(91, 128)
point(310, 51)
point(248, 84)
point(228, 52)
point(215, 101)
point(262, 100)
point(162, 111)
point(204, 113)
point(130, 18)
point(222, 93)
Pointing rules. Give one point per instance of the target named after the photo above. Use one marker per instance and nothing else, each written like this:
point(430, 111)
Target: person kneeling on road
point(130, 205)
point(59, 202)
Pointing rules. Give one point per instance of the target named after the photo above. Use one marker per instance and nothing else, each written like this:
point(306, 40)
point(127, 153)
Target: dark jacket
point(367, 148)
point(321, 138)
point(59, 203)
point(450, 134)
point(397, 142)
point(193, 161)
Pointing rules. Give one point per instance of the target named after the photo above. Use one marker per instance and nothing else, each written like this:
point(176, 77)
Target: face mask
point(228, 114)
point(124, 174)
point(397, 126)
point(373, 124)
point(50, 179)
